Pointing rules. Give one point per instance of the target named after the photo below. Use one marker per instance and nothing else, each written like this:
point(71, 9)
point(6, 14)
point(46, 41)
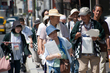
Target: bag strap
point(61, 47)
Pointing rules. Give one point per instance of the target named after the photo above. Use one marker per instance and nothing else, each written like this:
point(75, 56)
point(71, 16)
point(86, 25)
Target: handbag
point(64, 66)
point(4, 64)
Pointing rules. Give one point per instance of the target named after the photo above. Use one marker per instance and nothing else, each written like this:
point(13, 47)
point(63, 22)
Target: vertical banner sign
point(29, 5)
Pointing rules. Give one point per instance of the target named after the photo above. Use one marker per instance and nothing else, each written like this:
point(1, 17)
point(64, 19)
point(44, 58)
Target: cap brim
point(83, 13)
point(74, 12)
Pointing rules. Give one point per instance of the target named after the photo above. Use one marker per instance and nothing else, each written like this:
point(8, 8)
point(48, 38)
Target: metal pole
point(97, 1)
point(12, 9)
point(90, 6)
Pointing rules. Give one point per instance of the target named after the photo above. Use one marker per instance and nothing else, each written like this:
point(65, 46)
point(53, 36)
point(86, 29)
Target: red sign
point(29, 5)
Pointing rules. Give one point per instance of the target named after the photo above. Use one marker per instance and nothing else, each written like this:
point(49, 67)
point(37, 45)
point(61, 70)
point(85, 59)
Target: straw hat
point(54, 12)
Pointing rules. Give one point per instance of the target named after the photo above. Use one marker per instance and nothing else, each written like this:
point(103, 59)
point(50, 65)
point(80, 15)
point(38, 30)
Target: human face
point(75, 16)
point(22, 23)
point(18, 29)
point(85, 18)
point(53, 35)
point(97, 12)
point(46, 13)
point(54, 20)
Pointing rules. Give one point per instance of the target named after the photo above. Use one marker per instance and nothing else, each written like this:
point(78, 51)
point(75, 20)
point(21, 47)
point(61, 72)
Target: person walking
point(34, 39)
point(14, 45)
point(26, 31)
point(78, 38)
point(64, 46)
point(74, 15)
point(97, 11)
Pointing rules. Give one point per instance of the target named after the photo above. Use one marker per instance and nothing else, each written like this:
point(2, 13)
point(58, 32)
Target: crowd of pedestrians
point(81, 50)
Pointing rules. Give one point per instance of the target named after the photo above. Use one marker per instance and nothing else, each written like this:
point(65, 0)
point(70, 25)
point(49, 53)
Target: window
point(20, 10)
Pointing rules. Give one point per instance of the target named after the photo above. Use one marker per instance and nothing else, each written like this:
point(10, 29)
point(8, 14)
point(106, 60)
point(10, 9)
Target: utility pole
point(97, 2)
point(12, 8)
point(33, 13)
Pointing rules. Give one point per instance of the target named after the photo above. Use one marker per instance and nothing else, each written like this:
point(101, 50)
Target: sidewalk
point(31, 67)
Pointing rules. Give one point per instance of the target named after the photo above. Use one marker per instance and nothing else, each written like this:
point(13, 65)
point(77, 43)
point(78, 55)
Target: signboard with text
point(29, 5)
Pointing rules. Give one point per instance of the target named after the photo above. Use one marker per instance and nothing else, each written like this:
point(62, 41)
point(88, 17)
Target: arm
point(31, 45)
point(51, 57)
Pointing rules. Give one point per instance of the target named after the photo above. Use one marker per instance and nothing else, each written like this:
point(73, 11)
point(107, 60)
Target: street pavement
point(31, 66)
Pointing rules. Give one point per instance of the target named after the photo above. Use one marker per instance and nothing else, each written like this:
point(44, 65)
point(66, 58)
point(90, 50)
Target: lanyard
point(61, 46)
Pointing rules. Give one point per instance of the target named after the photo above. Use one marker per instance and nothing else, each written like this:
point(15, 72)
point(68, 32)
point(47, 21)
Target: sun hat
point(63, 17)
point(73, 11)
point(84, 11)
point(37, 21)
point(50, 29)
point(45, 18)
point(15, 24)
point(54, 12)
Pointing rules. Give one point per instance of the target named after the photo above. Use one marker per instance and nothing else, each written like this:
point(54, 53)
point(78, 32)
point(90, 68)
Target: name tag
point(16, 47)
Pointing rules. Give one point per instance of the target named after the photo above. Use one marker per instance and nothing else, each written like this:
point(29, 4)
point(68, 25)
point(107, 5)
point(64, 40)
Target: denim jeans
point(74, 65)
point(54, 69)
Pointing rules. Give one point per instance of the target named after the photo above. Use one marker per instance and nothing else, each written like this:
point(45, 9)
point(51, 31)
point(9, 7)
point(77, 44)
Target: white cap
point(73, 11)
point(63, 17)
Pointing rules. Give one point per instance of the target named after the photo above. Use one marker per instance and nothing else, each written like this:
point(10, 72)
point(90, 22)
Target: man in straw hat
point(54, 17)
point(89, 51)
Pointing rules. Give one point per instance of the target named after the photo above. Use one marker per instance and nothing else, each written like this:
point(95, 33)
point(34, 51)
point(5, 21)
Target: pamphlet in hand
point(93, 32)
point(52, 47)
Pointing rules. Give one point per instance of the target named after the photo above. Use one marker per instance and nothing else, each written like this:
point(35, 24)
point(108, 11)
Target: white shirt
point(41, 25)
point(71, 27)
point(108, 22)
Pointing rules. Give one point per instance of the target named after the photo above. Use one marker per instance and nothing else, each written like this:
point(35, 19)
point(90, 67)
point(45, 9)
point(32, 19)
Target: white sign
point(29, 5)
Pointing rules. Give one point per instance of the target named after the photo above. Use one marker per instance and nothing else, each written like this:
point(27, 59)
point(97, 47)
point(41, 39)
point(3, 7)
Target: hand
point(31, 45)
point(39, 52)
point(78, 34)
point(6, 43)
point(29, 56)
point(57, 56)
point(94, 38)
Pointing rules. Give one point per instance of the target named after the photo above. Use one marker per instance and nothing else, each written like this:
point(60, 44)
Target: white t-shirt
point(41, 25)
point(108, 22)
point(71, 27)
point(27, 32)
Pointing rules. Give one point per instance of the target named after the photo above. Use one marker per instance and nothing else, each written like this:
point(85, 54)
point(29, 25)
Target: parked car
point(10, 21)
point(2, 25)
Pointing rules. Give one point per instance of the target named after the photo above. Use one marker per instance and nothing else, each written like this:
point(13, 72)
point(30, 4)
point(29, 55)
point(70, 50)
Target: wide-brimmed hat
point(50, 29)
point(84, 11)
point(45, 18)
point(54, 12)
point(15, 24)
point(73, 11)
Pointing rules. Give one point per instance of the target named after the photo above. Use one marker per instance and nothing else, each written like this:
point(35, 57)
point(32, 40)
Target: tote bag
point(4, 64)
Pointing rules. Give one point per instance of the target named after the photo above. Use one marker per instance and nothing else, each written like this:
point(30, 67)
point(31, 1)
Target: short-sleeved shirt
point(41, 25)
point(27, 32)
point(44, 34)
point(63, 30)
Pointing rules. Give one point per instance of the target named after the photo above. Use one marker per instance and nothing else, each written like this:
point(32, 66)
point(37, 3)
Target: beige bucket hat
point(54, 12)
